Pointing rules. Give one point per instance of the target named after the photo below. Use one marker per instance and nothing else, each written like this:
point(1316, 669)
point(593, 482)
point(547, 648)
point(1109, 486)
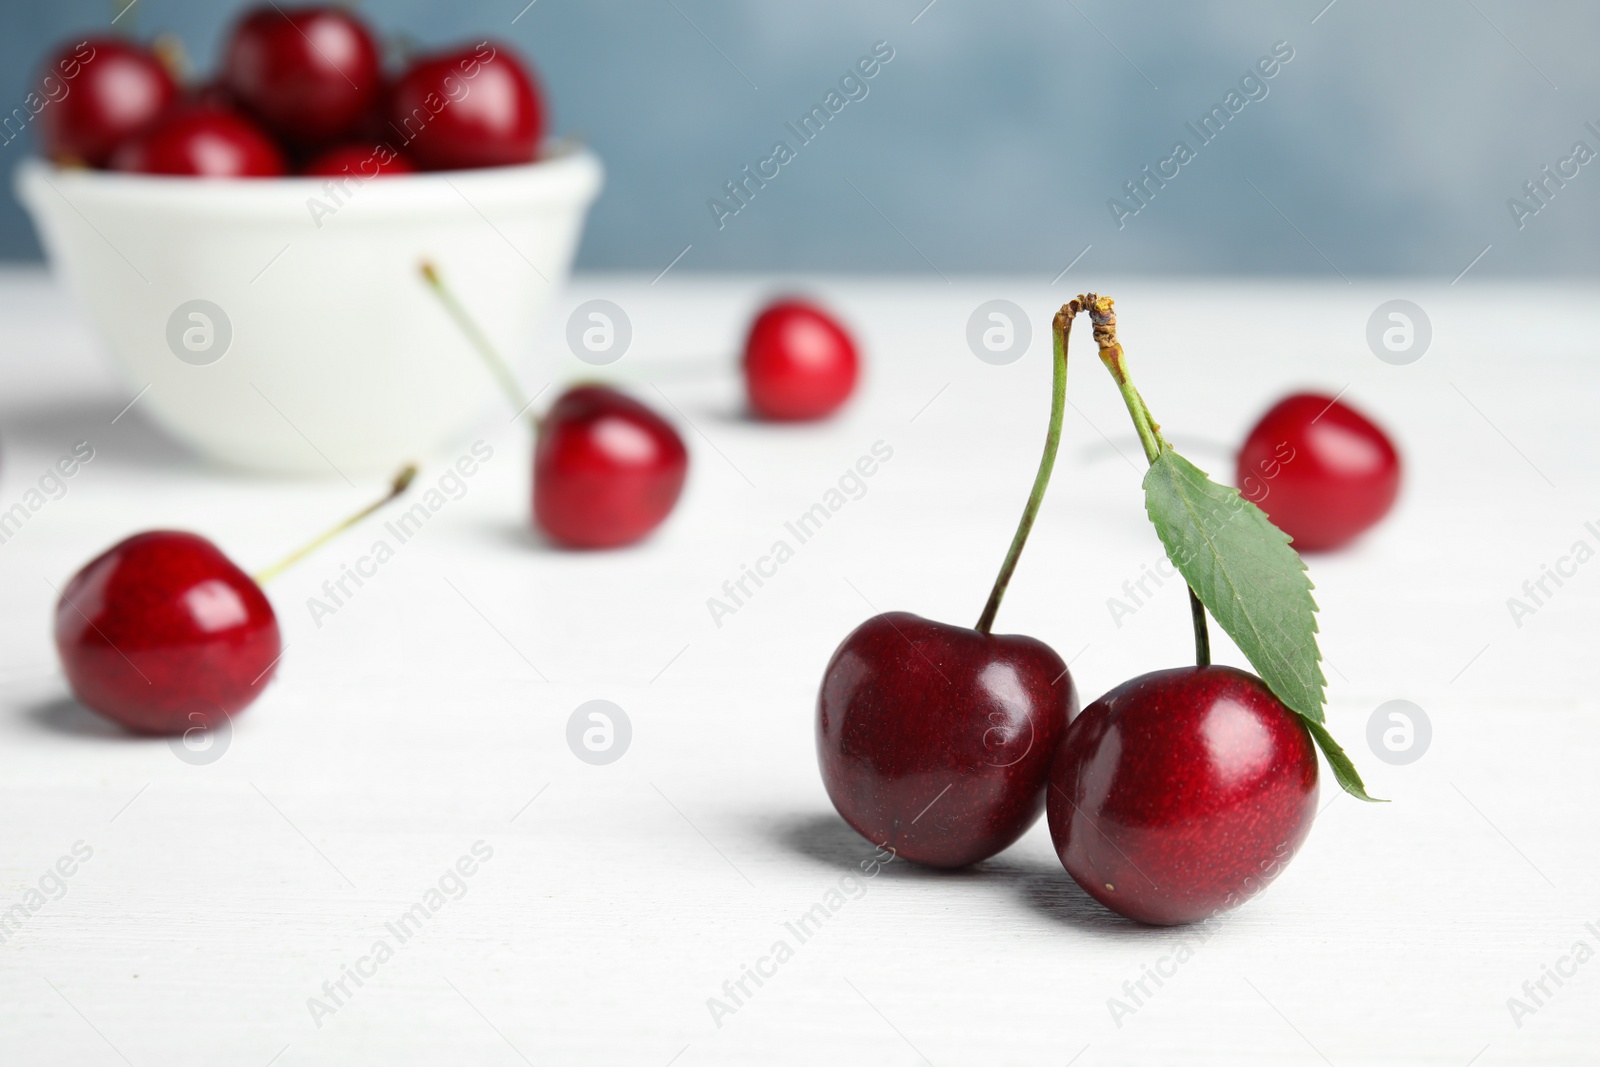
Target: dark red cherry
point(100, 92)
point(799, 363)
point(1321, 470)
point(162, 633)
point(359, 161)
point(202, 141)
point(475, 107)
point(606, 469)
point(936, 741)
point(1182, 793)
point(311, 75)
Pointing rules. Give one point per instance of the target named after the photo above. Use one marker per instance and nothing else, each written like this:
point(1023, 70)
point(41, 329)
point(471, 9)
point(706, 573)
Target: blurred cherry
point(99, 93)
point(474, 107)
point(606, 469)
point(311, 75)
point(359, 161)
point(799, 363)
point(1321, 470)
point(202, 141)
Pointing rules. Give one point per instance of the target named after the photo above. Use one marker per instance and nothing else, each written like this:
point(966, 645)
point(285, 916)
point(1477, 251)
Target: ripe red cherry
point(475, 107)
point(359, 161)
point(1321, 470)
point(162, 633)
point(112, 91)
point(1182, 793)
point(606, 469)
point(310, 75)
point(935, 740)
point(202, 141)
point(799, 363)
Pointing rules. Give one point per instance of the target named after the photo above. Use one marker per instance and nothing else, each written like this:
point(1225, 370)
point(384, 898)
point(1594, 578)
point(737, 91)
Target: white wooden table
point(428, 717)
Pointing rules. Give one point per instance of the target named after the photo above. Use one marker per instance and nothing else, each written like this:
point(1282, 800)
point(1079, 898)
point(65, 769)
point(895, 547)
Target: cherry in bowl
point(99, 93)
point(202, 141)
point(311, 75)
point(360, 161)
point(470, 107)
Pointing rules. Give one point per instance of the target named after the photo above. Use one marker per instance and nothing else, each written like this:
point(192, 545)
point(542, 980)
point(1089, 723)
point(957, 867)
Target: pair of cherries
point(1175, 796)
point(305, 85)
point(163, 633)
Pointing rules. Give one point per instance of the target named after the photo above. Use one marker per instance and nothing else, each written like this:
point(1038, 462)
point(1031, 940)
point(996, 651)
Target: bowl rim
point(565, 173)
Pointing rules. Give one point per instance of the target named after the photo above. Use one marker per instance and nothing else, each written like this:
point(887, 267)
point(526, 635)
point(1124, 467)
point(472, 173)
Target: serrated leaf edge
point(1318, 682)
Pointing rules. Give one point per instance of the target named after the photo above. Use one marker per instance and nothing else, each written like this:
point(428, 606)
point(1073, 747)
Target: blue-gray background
point(993, 140)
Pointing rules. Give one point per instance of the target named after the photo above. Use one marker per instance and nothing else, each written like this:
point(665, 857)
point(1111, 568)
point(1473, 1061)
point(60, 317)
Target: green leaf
point(1244, 572)
point(1343, 770)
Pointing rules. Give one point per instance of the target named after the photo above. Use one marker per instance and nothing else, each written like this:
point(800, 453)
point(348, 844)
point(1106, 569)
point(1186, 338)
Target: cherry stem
point(396, 487)
point(1061, 329)
point(469, 326)
point(1104, 316)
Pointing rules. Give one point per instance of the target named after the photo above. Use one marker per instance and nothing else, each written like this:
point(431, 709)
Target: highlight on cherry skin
point(799, 362)
point(1321, 470)
point(1182, 794)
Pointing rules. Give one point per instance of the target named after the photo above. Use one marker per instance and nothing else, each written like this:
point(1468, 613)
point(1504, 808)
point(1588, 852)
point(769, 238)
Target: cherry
point(1182, 793)
point(799, 363)
point(202, 141)
point(100, 92)
point(1321, 470)
point(162, 633)
point(360, 161)
point(606, 469)
point(474, 107)
point(310, 75)
point(934, 740)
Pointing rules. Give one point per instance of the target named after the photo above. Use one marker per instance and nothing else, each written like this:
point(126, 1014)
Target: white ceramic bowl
point(337, 357)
